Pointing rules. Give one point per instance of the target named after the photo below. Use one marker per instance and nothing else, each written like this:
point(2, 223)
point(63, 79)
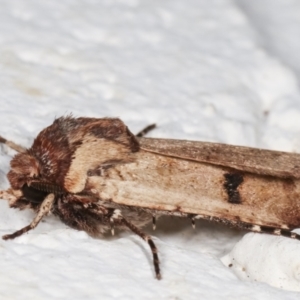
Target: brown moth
point(95, 175)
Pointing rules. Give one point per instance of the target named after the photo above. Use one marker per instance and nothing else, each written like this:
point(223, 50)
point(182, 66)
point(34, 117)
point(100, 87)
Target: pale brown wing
point(253, 160)
point(180, 186)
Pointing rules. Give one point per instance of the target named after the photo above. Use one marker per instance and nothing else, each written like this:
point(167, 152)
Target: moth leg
point(150, 242)
point(193, 220)
point(153, 222)
point(11, 195)
point(145, 130)
point(115, 216)
point(43, 210)
point(12, 145)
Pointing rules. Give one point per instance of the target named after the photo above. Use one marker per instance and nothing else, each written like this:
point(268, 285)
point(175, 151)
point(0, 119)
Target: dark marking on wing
point(231, 184)
point(99, 170)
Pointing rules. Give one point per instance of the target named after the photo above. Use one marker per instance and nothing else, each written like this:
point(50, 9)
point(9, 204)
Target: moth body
point(95, 175)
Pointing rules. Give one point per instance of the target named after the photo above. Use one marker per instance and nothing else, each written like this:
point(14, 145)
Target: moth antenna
point(43, 211)
point(252, 227)
point(260, 229)
point(115, 216)
point(150, 242)
point(143, 132)
point(153, 222)
point(12, 145)
point(275, 231)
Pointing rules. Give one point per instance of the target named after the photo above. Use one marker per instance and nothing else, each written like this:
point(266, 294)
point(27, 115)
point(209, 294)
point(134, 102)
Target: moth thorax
point(24, 167)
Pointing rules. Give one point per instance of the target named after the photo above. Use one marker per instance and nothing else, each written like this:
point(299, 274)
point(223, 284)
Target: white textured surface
point(201, 70)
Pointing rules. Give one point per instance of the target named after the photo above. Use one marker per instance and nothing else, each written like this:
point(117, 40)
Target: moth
point(95, 175)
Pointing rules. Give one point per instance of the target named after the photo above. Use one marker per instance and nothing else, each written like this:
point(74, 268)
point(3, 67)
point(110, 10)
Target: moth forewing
point(173, 185)
point(246, 159)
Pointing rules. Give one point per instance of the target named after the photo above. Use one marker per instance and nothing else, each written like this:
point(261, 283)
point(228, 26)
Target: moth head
point(24, 168)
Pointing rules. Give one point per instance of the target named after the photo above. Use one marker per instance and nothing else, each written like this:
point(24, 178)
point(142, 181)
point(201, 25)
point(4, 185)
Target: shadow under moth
point(95, 175)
